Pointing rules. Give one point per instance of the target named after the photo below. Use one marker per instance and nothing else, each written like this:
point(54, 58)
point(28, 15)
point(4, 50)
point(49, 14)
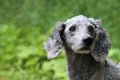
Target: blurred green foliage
point(26, 24)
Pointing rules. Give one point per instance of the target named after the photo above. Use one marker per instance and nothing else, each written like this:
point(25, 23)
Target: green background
point(26, 24)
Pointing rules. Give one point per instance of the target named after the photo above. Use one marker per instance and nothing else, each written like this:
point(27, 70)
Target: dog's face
point(79, 34)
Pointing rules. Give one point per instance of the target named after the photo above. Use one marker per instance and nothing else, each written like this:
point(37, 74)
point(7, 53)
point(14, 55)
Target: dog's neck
point(81, 66)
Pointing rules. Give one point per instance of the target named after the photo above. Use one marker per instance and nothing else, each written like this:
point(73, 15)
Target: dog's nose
point(88, 41)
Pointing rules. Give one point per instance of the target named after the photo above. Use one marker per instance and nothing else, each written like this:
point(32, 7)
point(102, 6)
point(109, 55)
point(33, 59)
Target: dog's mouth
point(85, 50)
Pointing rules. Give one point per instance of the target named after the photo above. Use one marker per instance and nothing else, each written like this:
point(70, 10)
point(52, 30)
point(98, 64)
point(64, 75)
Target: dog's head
point(80, 34)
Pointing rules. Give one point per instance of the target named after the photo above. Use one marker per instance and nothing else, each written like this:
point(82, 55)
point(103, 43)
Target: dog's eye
point(72, 28)
point(90, 29)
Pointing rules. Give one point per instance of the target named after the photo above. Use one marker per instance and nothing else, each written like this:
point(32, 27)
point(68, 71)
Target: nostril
point(88, 41)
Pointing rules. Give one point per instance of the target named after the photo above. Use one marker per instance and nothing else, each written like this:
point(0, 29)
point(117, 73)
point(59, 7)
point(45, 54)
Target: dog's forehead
point(78, 20)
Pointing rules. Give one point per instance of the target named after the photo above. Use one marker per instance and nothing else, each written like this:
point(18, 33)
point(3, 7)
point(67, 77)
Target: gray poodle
point(86, 45)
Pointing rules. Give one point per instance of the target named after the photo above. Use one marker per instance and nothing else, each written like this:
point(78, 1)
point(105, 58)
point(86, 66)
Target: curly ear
point(102, 43)
point(54, 44)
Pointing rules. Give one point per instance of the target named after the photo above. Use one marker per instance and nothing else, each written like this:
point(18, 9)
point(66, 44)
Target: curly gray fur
point(86, 45)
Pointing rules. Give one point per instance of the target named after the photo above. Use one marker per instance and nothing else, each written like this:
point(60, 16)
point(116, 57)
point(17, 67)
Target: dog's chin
point(84, 51)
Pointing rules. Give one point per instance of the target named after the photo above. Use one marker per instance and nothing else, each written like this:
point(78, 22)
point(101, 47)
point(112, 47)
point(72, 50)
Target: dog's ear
point(102, 43)
point(54, 44)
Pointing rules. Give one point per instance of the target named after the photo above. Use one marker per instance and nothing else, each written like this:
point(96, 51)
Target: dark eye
point(90, 29)
point(72, 28)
